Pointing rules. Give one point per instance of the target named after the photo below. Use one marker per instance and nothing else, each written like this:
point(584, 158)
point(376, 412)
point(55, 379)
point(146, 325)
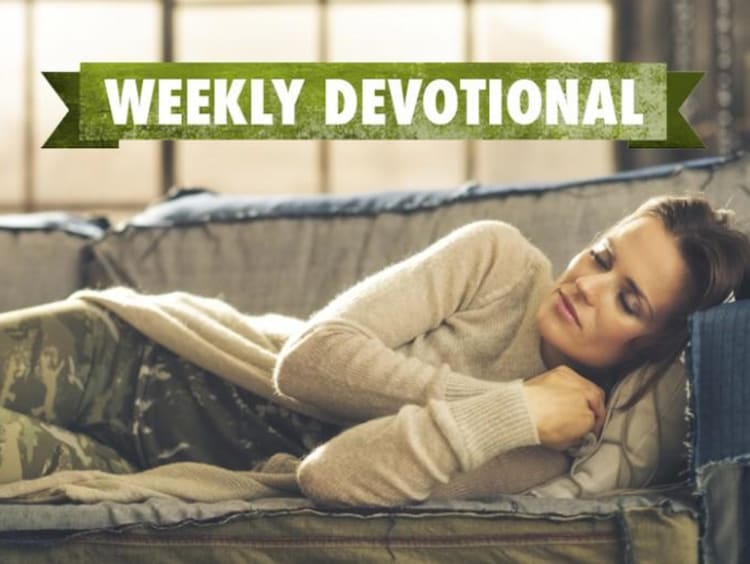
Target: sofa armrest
point(43, 256)
point(719, 373)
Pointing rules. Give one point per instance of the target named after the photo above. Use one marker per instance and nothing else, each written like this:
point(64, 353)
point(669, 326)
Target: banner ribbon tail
point(679, 133)
point(66, 134)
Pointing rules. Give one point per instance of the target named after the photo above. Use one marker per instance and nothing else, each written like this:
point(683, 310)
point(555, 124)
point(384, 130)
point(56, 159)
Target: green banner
point(636, 102)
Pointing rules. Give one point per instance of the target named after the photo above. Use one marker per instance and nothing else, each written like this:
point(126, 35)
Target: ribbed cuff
point(483, 426)
point(458, 386)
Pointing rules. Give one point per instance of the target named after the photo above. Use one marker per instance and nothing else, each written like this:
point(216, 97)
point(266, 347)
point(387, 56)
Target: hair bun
point(725, 216)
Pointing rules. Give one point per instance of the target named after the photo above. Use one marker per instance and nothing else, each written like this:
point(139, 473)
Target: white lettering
point(496, 101)
point(450, 101)
point(337, 88)
point(129, 100)
point(627, 103)
point(472, 87)
point(372, 100)
point(168, 101)
point(228, 101)
point(533, 105)
point(562, 101)
point(258, 114)
point(196, 101)
point(599, 104)
point(288, 98)
point(404, 106)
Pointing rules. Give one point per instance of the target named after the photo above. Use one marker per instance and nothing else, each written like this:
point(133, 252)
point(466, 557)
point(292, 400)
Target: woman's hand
point(564, 406)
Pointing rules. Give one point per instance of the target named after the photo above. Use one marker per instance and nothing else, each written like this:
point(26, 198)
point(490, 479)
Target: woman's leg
point(191, 414)
point(81, 367)
point(70, 365)
point(31, 448)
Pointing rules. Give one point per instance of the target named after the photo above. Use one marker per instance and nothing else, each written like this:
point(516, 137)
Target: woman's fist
point(564, 406)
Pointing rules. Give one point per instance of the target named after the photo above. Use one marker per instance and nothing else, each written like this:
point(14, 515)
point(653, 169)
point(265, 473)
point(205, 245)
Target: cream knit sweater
point(421, 362)
point(430, 354)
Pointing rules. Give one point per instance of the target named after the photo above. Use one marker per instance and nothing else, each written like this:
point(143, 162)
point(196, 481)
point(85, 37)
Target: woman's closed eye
point(602, 255)
point(629, 303)
point(628, 300)
point(599, 258)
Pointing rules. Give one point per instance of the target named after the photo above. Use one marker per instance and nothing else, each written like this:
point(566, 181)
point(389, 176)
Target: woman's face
point(623, 287)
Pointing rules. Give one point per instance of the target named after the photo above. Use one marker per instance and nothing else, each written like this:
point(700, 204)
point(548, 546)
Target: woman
point(462, 370)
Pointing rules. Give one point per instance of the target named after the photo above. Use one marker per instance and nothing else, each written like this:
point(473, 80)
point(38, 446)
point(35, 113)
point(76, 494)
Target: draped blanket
point(188, 481)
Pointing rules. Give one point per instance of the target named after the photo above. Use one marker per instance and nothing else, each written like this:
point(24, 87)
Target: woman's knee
point(47, 353)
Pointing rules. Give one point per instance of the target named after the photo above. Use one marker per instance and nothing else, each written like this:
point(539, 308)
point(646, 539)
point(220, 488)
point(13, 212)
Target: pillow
point(641, 446)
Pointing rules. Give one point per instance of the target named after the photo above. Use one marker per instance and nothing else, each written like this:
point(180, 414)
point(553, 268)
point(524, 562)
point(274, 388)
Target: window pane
point(391, 31)
point(11, 102)
point(250, 167)
point(364, 166)
point(396, 31)
point(542, 31)
point(253, 32)
point(276, 32)
point(66, 34)
point(543, 160)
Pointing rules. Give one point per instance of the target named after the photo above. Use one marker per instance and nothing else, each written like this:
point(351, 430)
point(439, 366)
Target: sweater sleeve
point(399, 459)
point(343, 359)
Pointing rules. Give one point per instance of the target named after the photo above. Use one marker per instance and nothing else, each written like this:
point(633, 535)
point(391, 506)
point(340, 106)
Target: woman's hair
point(717, 257)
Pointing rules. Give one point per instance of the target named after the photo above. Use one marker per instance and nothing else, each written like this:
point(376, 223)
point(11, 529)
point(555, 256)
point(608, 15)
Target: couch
point(291, 254)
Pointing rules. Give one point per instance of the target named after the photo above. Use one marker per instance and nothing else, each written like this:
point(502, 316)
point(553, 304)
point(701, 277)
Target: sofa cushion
point(292, 254)
point(720, 394)
point(512, 529)
point(43, 256)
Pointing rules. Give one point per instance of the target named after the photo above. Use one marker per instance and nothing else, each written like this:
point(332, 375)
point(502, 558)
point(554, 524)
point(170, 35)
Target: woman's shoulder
point(509, 263)
point(494, 227)
point(504, 238)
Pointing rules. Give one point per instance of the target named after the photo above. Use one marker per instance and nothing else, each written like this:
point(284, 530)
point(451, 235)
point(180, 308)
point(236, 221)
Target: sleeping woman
point(464, 370)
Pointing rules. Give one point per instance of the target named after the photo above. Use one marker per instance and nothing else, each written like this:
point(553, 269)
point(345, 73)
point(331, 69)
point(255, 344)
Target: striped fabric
point(719, 362)
point(720, 374)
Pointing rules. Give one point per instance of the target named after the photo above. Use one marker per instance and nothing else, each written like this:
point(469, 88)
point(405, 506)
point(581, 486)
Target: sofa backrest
point(43, 255)
point(292, 254)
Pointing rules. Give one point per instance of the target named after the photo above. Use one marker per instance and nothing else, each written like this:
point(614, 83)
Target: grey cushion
point(42, 256)
point(293, 254)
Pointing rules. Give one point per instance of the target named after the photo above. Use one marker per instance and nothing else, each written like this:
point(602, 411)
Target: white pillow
point(642, 446)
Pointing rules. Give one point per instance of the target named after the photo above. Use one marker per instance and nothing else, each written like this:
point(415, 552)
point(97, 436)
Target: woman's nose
point(590, 287)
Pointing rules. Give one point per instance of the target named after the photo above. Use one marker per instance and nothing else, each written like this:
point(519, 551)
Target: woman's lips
point(566, 309)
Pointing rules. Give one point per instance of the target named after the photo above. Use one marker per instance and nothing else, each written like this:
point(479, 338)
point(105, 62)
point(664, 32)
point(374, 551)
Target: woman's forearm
point(339, 368)
point(402, 458)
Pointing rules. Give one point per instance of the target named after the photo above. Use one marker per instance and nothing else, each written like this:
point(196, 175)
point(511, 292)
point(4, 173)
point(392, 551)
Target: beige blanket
point(188, 481)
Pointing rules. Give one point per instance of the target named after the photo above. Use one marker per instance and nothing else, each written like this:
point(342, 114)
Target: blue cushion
point(719, 358)
point(719, 366)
